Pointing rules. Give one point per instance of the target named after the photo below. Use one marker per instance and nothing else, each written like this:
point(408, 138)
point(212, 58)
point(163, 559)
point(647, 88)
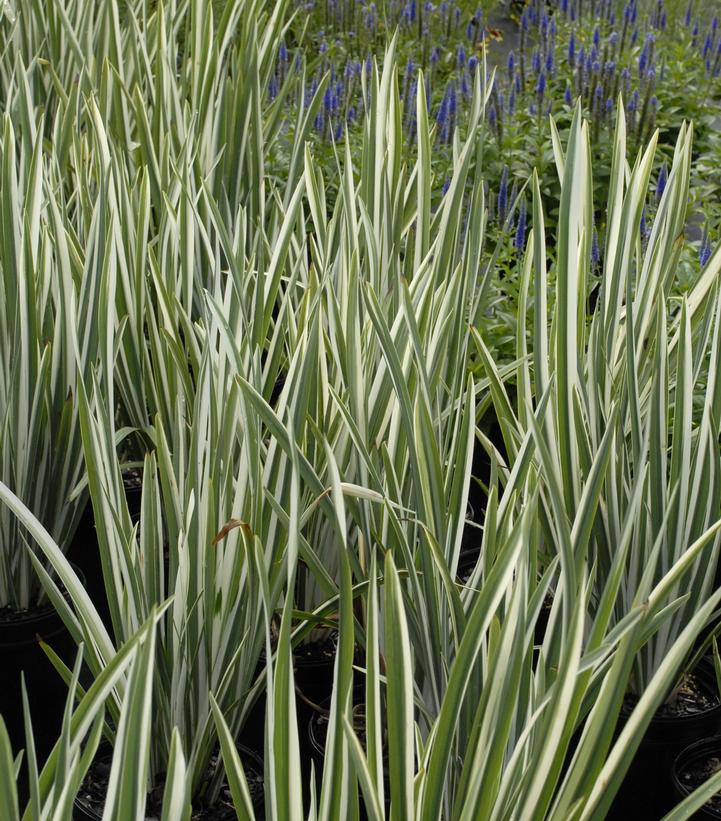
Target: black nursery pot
point(90, 801)
point(133, 487)
point(693, 766)
point(85, 553)
point(467, 562)
point(647, 786)
point(84, 550)
point(318, 735)
point(20, 652)
point(313, 667)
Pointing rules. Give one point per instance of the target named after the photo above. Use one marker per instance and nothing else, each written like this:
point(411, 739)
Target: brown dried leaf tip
point(231, 525)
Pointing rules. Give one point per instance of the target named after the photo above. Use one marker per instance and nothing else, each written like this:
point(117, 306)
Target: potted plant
point(632, 373)
point(696, 779)
point(46, 289)
point(52, 789)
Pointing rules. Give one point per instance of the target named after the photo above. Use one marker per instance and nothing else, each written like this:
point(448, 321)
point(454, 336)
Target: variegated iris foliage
point(291, 370)
point(52, 280)
point(640, 384)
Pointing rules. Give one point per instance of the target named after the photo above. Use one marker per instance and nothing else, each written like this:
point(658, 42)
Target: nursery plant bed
point(695, 765)
point(90, 802)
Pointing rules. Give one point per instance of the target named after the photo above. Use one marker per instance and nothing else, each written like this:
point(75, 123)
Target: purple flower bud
point(472, 63)
point(642, 62)
point(613, 38)
point(595, 250)
point(609, 105)
point(567, 96)
point(273, 87)
point(541, 86)
point(282, 52)
point(442, 115)
point(519, 241)
point(704, 252)
point(596, 37)
point(687, 17)
point(634, 37)
point(445, 186)
point(503, 195)
point(571, 49)
point(661, 182)
point(408, 77)
point(461, 56)
point(707, 46)
point(452, 103)
point(511, 64)
point(536, 61)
